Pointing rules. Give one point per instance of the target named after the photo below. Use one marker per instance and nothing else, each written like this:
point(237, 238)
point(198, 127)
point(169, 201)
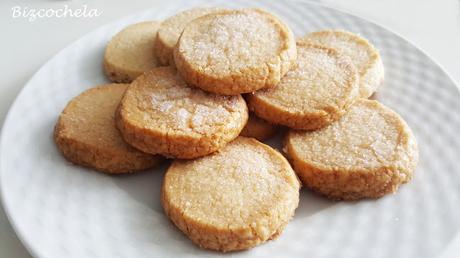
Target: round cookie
point(233, 52)
point(314, 94)
point(170, 30)
point(160, 114)
point(234, 199)
point(258, 128)
point(351, 159)
point(363, 54)
point(86, 133)
point(130, 52)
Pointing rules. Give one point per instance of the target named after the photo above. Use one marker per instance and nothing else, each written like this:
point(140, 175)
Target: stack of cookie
point(191, 87)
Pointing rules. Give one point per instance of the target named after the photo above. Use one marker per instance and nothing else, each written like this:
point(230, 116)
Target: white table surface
point(432, 25)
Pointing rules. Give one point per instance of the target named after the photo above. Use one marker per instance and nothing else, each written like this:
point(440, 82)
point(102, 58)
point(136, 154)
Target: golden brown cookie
point(130, 52)
point(160, 114)
point(170, 30)
point(233, 52)
point(86, 133)
point(368, 153)
point(312, 95)
point(258, 128)
point(234, 199)
point(363, 54)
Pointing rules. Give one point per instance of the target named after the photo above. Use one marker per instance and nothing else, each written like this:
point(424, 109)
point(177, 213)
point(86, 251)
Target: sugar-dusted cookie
point(312, 95)
point(160, 114)
point(235, 51)
point(258, 128)
point(363, 54)
point(86, 133)
point(368, 153)
point(130, 52)
point(234, 199)
point(170, 30)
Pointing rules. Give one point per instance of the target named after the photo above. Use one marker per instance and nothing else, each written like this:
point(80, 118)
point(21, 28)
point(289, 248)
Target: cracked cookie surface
point(130, 52)
point(86, 133)
point(160, 114)
point(234, 199)
point(235, 51)
point(362, 53)
point(314, 94)
point(368, 153)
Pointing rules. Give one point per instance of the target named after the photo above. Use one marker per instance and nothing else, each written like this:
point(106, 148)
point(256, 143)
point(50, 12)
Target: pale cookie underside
point(130, 52)
point(312, 95)
point(234, 199)
point(363, 54)
point(86, 133)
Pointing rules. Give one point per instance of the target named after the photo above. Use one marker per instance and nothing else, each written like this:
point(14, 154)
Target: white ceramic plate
point(60, 210)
